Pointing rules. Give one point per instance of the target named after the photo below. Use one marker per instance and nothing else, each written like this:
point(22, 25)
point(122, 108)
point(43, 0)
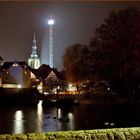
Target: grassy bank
point(102, 134)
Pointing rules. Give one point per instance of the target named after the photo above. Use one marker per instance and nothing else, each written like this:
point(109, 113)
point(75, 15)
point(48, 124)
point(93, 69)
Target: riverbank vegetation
point(102, 134)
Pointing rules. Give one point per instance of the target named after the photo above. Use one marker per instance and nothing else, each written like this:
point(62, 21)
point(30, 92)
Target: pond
point(25, 119)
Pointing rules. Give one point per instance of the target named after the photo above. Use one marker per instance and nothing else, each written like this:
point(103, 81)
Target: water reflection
point(59, 113)
point(18, 124)
point(40, 116)
point(50, 119)
point(71, 121)
point(27, 119)
point(65, 120)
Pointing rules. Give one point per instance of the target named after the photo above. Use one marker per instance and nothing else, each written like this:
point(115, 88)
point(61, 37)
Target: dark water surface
point(39, 119)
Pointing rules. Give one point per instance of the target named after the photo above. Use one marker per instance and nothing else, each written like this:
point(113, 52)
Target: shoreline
point(99, 134)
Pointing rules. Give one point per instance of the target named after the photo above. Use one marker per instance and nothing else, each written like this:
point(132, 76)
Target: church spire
point(34, 48)
point(34, 36)
point(34, 60)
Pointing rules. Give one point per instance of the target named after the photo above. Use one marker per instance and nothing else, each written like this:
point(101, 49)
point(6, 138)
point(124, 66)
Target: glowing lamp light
point(51, 22)
point(19, 86)
point(39, 87)
point(70, 85)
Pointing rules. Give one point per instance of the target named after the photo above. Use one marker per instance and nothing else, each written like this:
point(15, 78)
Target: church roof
point(58, 74)
point(1, 58)
point(23, 64)
point(44, 70)
point(7, 65)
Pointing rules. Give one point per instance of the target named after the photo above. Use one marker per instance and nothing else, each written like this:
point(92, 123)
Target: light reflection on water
point(27, 119)
point(71, 121)
point(41, 120)
point(18, 123)
point(40, 116)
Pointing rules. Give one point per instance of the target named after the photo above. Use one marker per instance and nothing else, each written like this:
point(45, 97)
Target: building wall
point(26, 78)
point(16, 76)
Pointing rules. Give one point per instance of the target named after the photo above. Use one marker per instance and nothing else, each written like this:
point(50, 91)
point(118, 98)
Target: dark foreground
point(104, 134)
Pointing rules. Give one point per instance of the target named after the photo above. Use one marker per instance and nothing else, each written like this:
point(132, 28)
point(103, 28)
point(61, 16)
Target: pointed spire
point(34, 36)
point(34, 60)
point(34, 48)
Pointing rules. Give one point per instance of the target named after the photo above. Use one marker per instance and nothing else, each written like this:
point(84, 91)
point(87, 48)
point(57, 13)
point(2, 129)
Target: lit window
point(19, 86)
point(15, 64)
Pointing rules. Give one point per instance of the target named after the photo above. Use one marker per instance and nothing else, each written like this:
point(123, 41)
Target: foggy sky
point(75, 22)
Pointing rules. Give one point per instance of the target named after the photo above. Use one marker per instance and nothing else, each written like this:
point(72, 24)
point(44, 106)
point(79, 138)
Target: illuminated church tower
point(34, 60)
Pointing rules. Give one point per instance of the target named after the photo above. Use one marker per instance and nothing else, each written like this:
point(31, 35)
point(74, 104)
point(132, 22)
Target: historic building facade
point(17, 75)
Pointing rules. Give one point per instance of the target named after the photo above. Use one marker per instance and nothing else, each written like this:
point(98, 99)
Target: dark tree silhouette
point(115, 49)
point(75, 62)
point(113, 54)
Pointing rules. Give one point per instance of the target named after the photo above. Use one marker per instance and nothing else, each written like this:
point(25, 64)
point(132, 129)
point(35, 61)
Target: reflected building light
point(59, 113)
point(71, 121)
point(39, 117)
point(18, 126)
point(70, 116)
point(18, 115)
point(106, 123)
point(39, 108)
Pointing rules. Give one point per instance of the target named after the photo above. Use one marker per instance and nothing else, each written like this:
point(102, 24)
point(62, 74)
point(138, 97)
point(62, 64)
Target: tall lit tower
point(34, 60)
point(51, 23)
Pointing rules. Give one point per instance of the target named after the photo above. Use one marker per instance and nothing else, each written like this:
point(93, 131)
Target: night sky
point(75, 22)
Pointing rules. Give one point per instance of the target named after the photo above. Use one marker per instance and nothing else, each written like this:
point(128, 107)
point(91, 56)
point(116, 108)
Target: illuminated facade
point(34, 60)
point(17, 75)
